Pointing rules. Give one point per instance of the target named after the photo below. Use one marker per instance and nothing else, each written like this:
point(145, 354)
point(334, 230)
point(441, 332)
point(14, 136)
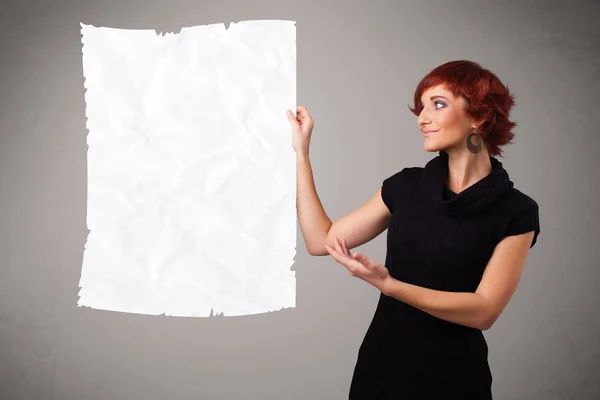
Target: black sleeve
point(397, 190)
point(526, 221)
point(387, 191)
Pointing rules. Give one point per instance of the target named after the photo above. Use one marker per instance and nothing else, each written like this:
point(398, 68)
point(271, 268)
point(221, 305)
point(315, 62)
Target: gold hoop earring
point(477, 147)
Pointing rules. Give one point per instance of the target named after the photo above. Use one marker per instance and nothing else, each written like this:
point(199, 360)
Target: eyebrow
point(438, 97)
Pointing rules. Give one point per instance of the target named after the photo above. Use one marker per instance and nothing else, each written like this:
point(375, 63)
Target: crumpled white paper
point(191, 171)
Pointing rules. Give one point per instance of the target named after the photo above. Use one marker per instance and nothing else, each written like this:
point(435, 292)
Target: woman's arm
point(478, 310)
point(468, 309)
point(314, 222)
point(358, 227)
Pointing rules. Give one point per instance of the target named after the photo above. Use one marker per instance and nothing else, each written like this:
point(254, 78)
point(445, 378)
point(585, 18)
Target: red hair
point(487, 99)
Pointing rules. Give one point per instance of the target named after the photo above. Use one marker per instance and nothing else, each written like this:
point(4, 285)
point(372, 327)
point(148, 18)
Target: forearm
point(314, 222)
point(463, 308)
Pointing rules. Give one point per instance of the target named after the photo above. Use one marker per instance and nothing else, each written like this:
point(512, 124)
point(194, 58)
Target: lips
point(428, 133)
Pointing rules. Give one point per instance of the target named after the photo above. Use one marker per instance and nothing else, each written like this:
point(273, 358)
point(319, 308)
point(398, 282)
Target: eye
point(436, 105)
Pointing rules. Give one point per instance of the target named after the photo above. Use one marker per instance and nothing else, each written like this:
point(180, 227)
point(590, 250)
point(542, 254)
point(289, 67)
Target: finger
point(303, 112)
point(329, 249)
point(345, 247)
point(338, 246)
point(338, 258)
point(364, 260)
point(333, 253)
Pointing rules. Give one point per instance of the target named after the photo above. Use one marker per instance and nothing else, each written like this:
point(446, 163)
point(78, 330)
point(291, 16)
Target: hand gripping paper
point(191, 201)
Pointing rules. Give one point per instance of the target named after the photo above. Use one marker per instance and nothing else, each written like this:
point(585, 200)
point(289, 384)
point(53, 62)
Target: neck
point(466, 168)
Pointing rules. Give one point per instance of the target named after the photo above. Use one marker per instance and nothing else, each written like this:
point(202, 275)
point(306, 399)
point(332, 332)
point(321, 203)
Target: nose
point(423, 118)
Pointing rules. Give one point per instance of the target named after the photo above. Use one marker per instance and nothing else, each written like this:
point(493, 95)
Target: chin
point(432, 148)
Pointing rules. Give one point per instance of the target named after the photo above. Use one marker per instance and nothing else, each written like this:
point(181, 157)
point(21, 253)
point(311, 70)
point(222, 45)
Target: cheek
point(450, 121)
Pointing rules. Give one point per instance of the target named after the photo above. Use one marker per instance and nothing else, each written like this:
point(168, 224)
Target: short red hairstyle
point(487, 99)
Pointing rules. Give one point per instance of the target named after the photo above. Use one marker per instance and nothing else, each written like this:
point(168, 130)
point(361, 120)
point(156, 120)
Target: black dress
point(440, 240)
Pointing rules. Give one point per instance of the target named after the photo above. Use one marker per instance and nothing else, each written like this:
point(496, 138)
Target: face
point(443, 121)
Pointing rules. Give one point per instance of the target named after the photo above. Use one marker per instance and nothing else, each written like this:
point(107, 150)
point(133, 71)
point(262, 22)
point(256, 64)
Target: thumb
point(292, 118)
point(358, 257)
point(364, 260)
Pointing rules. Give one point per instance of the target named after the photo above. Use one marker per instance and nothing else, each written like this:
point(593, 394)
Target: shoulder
point(404, 176)
point(520, 214)
point(397, 190)
point(519, 202)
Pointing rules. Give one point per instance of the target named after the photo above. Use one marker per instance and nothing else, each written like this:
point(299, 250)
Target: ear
point(477, 124)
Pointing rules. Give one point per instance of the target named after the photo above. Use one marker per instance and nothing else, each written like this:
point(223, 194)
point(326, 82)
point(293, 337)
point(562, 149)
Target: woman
point(458, 236)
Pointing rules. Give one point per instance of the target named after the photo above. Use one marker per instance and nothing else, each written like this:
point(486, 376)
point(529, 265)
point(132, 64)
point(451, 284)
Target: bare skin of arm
point(359, 227)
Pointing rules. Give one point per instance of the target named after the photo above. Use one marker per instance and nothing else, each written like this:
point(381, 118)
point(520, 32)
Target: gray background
point(358, 65)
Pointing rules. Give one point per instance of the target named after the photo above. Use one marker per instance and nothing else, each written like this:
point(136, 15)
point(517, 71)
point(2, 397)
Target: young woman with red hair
point(458, 237)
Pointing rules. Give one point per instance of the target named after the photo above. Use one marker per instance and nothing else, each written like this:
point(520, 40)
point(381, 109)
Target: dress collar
point(473, 199)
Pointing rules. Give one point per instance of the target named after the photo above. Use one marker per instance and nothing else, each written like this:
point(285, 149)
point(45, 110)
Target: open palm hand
point(359, 265)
